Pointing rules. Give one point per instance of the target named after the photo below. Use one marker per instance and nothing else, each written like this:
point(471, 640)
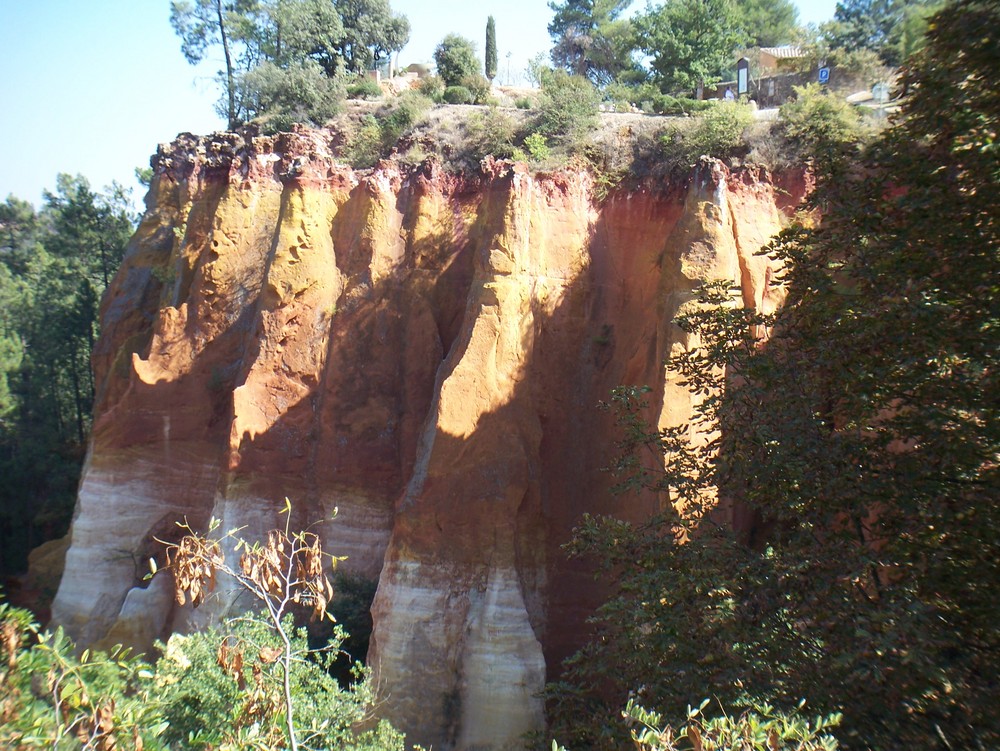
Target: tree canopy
point(284, 59)
point(54, 266)
point(591, 39)
point(455, 57)
point(860, 444)
point(690, 41)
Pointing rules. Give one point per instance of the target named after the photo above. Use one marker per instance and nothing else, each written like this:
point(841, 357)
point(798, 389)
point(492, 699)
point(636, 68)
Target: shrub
point(568, 107)
point(664, 104)
point(491, 133)
point(536, 147)
point(364, 89)
point(763, 730)
point(718, 133)
point(524, 103)
point(432, 87)
point(457, 95)
point(693, 106)
point(199, 696)
point(456, 59)
point(364, 144)
point(479, 87)
point(400, 115)
point(815, 119)
point(52, 698)
point(277, 97)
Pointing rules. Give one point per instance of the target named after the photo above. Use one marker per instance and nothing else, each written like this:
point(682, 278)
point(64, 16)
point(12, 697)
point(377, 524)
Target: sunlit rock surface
point(420, 353)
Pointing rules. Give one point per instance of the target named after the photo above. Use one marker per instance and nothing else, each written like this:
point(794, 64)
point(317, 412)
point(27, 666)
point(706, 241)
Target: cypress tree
point(491, 49)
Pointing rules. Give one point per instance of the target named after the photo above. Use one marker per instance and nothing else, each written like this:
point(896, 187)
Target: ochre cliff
point(422, 352)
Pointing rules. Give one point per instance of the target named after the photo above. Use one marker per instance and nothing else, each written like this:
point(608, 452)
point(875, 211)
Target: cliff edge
point(415, 352)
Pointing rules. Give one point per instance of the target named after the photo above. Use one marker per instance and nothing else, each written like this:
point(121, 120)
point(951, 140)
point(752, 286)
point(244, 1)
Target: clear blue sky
point(91, 88)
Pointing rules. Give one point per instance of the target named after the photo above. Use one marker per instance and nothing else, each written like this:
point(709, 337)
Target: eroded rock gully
point(422, 352)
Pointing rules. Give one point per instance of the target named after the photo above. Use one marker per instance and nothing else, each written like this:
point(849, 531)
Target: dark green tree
point(859, 447)
point(880, 26)
point(689, 41)
point(455, 57)
point(591, 39)
point(768, 23)
point(491, 48)
point(372, 32)
point(203, 23)
point(56, 264)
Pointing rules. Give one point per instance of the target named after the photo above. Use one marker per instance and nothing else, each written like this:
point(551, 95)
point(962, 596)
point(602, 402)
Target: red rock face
point(420, 354)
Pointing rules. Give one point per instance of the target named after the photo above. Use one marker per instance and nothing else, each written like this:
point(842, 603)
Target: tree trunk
point(230, 81)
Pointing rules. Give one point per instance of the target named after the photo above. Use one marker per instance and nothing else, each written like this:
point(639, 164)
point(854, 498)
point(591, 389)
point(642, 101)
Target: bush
point(718, 133)
point(400, 115)
point(690, 106)
point(816, 119)
point(364, 144)
point(199, 697)
point(568, 108)
point(764, 730)
point(52, 698)
point(364, 89)
point(457, 95)
point(524, 103)
point(277, 97)
point(479, 87)
point(491, 134)
point(432, 87)
point(456, 59)
point(536, 147)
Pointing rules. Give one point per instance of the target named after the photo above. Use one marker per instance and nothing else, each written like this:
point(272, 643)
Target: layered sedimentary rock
point(418, 354)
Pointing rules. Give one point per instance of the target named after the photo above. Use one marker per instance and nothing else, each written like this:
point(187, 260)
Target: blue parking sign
point(824, 75)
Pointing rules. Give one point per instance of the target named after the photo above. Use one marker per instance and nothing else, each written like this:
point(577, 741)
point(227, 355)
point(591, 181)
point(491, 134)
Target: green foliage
point(689, 41)
point(490, 65)
point(568, 108)
point(875, 25)
point(205, 706)
point(432, 87)
point(401, 114)
point(457, 95)
point(364, 88)
point(859, 444)
point(278, 50)
point(372, 32)
point(760, 730)
point(537, 147)
point(299, 93)
point(523, 103)
point(364, 144)
point(720, 132)
point(478, 86)
point(491, 133)
point(52, 698)
point(591, 39)
point(768, 23)
point(208, 690)
point(375, 136)
point(54, 266)
point(816, 121)
point(455, 57)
